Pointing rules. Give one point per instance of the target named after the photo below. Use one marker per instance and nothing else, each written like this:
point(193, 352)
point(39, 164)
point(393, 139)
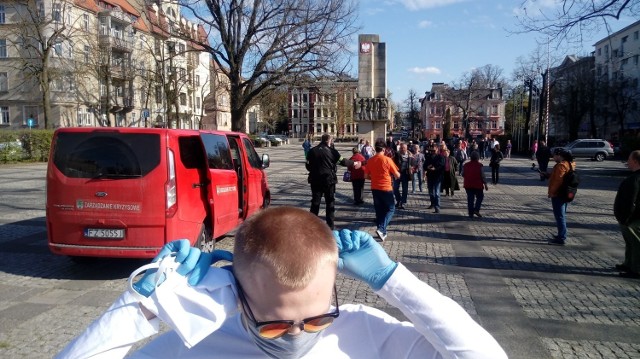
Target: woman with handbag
point(494, 163)
point(450, 180)
point(357, 177)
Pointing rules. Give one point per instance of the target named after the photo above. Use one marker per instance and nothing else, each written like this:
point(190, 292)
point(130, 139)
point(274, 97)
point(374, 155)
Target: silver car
point(597, 149)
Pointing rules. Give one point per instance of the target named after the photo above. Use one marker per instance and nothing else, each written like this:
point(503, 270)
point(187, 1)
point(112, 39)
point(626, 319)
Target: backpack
point(570, 183)
point(461, 156)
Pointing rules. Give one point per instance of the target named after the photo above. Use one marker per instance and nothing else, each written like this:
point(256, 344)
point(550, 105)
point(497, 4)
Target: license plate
point(103, 233)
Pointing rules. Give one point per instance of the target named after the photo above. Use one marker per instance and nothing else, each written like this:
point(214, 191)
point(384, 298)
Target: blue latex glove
point(361, 257)
point(192, 262)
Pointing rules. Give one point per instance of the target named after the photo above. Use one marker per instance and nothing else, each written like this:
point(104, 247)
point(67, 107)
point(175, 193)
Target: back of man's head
point(325, 138)
point(380, 145)
point(291, 243)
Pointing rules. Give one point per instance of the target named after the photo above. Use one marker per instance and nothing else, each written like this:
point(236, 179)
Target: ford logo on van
point(101, 194)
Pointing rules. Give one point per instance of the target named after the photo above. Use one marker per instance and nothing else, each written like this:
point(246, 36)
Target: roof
point(87, 5)
point(124, 5)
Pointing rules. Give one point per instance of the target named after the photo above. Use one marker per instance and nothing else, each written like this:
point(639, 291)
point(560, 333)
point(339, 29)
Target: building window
point(198, 103)
point(635, 60)
point(4, 82)
point(181, 49)
point(55, 12)
point(70, 50)
point(86, 53)
point(2, 14)
point(197, 80)
point(158, 94)
point(494, 109)
point(84, 117)
point(4, 115)
point(599, 51)
point(57, 49)
point(183, 99)
point(85, 21)
point(295, 113)
point(3, 48)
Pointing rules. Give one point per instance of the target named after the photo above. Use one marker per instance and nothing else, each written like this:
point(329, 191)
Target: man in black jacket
point(626, 208)
point(321, 164)
point(434, 169)
point(542, 156)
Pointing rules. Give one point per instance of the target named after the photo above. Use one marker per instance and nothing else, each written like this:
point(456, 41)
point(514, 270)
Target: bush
point(25, 145)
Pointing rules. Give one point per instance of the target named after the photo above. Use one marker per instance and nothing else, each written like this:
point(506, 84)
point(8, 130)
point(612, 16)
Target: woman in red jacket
point(357, 177)
point(474, 183)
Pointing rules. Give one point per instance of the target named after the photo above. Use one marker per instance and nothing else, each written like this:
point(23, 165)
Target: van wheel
point(204, 241)
point(600, 157)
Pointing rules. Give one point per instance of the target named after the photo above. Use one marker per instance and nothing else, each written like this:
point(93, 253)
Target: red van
point(125, 192)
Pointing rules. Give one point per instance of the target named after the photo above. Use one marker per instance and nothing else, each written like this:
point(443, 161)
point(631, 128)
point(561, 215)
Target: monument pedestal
point(371, 106)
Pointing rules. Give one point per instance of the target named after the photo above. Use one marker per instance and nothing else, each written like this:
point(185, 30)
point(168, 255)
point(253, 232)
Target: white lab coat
point(439, 328)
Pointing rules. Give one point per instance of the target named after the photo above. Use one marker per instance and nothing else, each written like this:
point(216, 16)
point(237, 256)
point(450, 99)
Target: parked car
point(275, 141)
point(126, 192)
point(596, 149)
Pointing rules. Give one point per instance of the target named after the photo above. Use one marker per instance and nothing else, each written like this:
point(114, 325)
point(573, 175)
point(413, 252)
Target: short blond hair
point(292, 243)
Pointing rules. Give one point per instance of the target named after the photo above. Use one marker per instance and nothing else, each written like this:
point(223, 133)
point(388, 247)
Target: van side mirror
point(265, 161)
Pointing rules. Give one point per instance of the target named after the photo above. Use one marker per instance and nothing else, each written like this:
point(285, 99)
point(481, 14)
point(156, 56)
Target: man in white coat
point(284, 267)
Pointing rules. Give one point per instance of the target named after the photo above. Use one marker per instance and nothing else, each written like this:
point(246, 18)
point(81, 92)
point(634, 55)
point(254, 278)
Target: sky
point(439, 40)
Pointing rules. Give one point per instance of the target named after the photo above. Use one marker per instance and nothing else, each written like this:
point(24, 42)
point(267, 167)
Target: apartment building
point(323, 106)
point(617, 72)
point(485, 111)
point(100, 63)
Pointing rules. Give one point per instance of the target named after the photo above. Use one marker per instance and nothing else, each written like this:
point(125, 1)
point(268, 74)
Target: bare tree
point(572, 95)
point(273, 105)
point(573, 20)
point(466, 93)
point(412, 106)
point(44, 40)
point(267, 43)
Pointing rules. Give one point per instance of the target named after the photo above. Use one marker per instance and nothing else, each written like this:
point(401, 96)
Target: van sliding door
point(223, 184)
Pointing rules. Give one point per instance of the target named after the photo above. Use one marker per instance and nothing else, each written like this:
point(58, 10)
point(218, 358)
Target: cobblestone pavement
point(538, 301)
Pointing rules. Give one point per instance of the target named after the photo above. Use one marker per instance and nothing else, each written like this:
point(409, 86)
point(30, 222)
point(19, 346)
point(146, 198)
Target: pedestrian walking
point(626, 209)
point(449, 178)
point(381, 170)
point(494, 163)
point(509, 146)
point(367, 150)
point(474, 184)
point(434, 169)
point(418, 169)
point(403, 160)
point(534, 150)
point(321, 164)
point(461, 156)
point(564, 163)
point(306, 147)
point(543, 155)
point(357, 177)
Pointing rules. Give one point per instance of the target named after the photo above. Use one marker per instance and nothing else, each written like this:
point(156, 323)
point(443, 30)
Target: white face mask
point(287, 346)
point(193, 312)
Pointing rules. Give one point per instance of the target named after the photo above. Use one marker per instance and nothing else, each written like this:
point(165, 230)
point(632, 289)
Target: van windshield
point(106, 155)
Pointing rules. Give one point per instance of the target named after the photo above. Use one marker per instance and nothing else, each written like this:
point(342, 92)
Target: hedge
point(25, 145)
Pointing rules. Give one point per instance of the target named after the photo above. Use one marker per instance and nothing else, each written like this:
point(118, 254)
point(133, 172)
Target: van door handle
point(199, 185)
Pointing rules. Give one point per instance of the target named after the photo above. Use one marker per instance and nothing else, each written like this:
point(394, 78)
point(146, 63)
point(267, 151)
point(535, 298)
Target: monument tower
point(371, 106)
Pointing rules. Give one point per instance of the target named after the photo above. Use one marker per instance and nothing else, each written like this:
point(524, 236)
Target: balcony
point(115, 40)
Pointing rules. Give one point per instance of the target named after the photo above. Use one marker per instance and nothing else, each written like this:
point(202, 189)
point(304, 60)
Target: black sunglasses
point(276, 328)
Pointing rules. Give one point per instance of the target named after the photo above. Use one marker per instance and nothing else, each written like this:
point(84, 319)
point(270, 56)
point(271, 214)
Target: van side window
point(254, 159)
point(191, 152)
point(218, 154)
